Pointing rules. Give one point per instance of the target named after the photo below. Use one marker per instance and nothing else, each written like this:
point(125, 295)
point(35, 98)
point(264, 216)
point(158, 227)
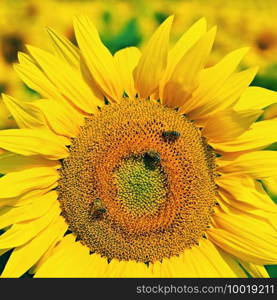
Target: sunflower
point(236, 26)
point(141, 164)
point(236, 20)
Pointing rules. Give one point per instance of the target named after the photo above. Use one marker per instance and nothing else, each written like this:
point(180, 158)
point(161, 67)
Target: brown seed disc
point(129, 193)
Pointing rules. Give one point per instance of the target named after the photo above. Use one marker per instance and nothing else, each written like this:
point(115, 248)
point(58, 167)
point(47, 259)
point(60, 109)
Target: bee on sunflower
point(141, 164)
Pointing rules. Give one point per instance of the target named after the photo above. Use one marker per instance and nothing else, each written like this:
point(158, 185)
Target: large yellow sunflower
point(138, 164)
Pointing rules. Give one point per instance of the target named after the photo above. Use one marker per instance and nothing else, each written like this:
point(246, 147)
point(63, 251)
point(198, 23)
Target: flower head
point(139, 164)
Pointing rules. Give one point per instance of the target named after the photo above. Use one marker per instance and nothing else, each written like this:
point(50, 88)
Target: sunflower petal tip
point(31, 48)
point(202, 21)
point(254, 70)
point(5, 98)
point(20, 54)
point(168, 21)
point(81, 18)
point(213, 30)
point(171, 18)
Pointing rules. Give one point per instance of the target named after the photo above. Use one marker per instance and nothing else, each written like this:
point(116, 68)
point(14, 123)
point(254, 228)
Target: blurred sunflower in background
point(24, 22)
point(138, 164)
point(249, 23)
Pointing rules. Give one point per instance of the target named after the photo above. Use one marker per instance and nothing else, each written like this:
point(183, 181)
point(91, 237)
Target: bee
point(171, 136)
point(151, 159)
point(98, 209)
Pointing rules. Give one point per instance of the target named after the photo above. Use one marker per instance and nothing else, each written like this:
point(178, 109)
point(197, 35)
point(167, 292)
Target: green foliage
point(268, 79)
point(128, 36)
point(272, 271)
point(160, 16)
point(32, 93)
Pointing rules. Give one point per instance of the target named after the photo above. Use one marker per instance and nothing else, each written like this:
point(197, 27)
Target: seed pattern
point(150, 213)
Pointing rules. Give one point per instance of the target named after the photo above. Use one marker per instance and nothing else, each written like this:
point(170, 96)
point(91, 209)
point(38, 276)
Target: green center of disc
point(140, 189)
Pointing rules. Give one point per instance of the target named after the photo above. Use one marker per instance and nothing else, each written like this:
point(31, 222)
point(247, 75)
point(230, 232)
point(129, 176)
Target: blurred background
point(123, 23)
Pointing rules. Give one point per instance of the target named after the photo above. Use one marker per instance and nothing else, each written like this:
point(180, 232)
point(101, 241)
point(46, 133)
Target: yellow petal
point(205, 260)
point(212, 78)
point(153, 60)
point(17, 183)
point(91, 82)
point(25, 114)
point(98, 58)
point(71, 259)
point(270, 112)
point(257, 164)
point(256, 98)
point(27, 212)
point(23, 232)
point(34, 77)
point(126, 269)
point(251, 201)
point(260, 135)
point(34, 142)
point(126, 60)
point(27, 198)
point(185, 77)
point(224, 265)
point(64, 48)
point(63, 121)
point(96, 266)
point(187, 40)
point(255, 271)
point(6, 119)
point(175, 267)
point(159, 269)
point(250, 193)
point(245, 237)
point(271, 185)
point(67, 80)
point(25, 256)
point(228, 124)
point(224, 97)
point(50, 250)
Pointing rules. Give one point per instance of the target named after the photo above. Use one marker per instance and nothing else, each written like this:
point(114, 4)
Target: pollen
point(128, 192)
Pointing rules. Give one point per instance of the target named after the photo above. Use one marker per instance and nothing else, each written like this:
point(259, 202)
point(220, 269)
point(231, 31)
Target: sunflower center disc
point(138, 183)
point(140, 189)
